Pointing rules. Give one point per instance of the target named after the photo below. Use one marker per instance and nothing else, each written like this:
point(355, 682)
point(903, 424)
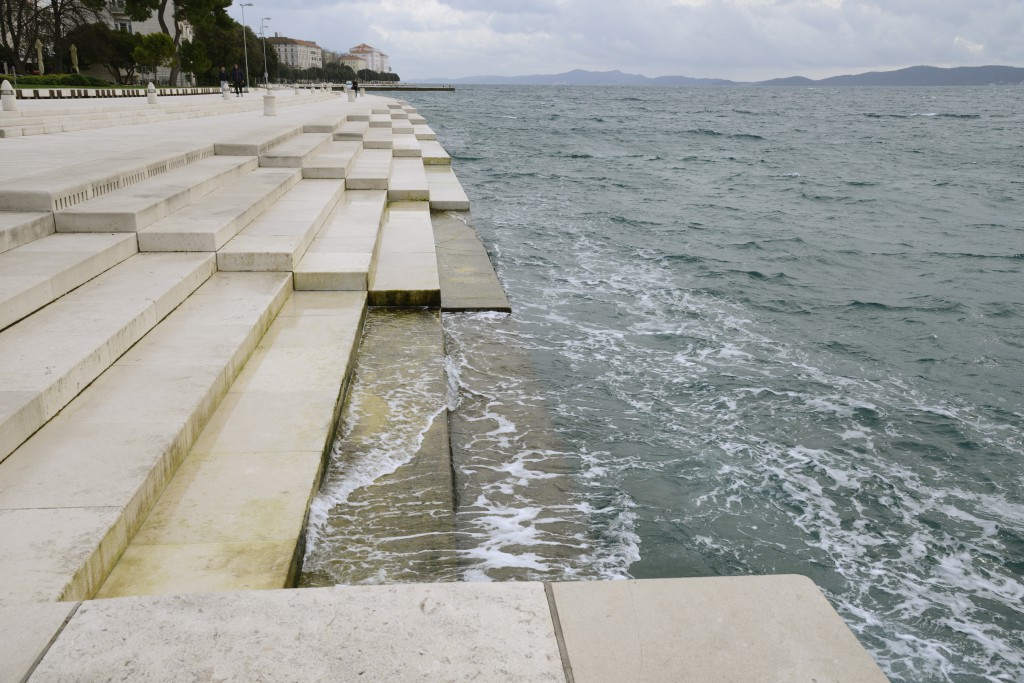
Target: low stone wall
point(79, 93)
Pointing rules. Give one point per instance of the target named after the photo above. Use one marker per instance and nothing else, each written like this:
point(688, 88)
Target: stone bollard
point(270, 104)
point(8, 100)
point(297, 91)
point(151, 93)
point(351, 95)
point(225, 91)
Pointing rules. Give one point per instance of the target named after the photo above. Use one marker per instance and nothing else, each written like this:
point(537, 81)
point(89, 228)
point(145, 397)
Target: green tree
point(193, 57)
point(99, 44)
point(199, 13)
point(155, 50)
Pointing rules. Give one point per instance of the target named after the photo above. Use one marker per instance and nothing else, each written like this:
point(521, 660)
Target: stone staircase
point(195, 303)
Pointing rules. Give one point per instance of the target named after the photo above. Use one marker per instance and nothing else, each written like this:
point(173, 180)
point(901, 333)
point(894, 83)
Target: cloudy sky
point(735, 39)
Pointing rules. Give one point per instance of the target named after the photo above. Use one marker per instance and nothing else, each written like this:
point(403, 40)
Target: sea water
point(773, 330)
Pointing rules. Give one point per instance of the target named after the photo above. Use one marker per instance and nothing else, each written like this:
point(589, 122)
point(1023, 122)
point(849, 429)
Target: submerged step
point(49, 357)
point(209, 223)
point(135, 207)
point(277, 239)
point(385, 511)
point(405, 270)
point(37, 273)
point(233, 516)
point(468, 280)
point(73, 494)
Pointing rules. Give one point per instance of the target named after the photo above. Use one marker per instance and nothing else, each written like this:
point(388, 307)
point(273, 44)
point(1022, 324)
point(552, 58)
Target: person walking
point(239, 78)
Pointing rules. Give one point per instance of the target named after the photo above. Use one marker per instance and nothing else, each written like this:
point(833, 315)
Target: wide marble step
point(135, 207)
point(352, 129)
point(406, 145)
point(277, 239)
point(434, 154)
point(72, 496)
point(209, 223)
point(241, 496)
point(334, 161)
point(67, 185)
point(446, 193)
point(408, 181)
point(371, 171)
point(342, 253)
point(296, 151)
point(35, 274)
point(404, 271)
point(49, 357)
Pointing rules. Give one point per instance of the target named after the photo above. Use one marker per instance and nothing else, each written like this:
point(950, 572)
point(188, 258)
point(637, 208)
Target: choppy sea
point(769, 330)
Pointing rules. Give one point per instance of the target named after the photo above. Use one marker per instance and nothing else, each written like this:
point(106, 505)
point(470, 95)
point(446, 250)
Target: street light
point(263, 32)
point(245, 46)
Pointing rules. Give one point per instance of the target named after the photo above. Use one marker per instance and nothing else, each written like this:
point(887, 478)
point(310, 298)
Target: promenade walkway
point(182, 294)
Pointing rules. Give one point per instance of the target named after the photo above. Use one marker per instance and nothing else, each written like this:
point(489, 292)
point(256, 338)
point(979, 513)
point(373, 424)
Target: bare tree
point(64, 17)
point(19, 29)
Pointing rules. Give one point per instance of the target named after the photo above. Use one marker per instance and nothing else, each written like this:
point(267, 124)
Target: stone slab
point(371, 170)
point(468, 281)
point(402, 276)
point(767, 628)
point(406, 146)
point(294, 152)
point(446, 193)
point(208, 224)
point(255, 143)
point(25, 634)
point(321, 271)
point(277, 240)
point(378, 138)
point(35, 274)
point(413, 632)
point(133, 208)
point(408, 181)
point(78, 172)
point(352, 130)
point(434, 153)
point(334, 161)
point(42, 367)
point(21, 227)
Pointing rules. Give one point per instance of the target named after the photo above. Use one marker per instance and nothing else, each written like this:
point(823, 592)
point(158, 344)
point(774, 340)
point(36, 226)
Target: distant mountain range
point(912, 76)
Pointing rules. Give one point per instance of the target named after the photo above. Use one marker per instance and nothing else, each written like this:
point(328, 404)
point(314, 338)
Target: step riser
point(19, 232)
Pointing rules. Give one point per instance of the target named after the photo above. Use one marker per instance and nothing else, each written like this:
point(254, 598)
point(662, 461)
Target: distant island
point(912, 76)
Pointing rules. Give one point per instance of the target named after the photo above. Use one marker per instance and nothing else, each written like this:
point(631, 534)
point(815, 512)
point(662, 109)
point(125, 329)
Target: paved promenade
point(182, 293)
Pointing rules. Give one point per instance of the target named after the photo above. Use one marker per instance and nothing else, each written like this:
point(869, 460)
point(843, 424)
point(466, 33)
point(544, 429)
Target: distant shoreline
point(915, 76)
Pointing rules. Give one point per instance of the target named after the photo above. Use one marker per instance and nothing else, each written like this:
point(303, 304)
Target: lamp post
point(263, 32)
point(245, 46)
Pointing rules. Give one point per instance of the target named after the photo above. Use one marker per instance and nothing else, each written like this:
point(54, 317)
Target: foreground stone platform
point(766, 629)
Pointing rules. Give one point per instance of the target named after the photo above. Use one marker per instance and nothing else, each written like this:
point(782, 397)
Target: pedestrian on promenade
point(223, 78)
point(355, 87)
point(238, 77)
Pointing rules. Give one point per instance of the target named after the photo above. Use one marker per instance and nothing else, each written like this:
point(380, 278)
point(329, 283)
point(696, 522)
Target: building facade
point(114, 16)
point(374, 58)
point(297, 54)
